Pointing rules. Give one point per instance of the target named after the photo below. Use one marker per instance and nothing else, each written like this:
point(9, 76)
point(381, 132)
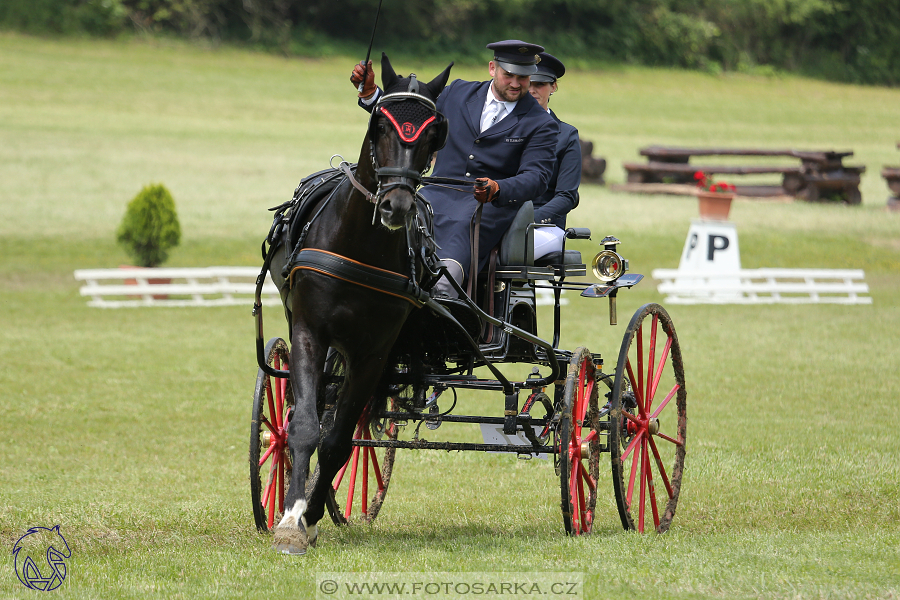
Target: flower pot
point(715, 206)
point(151, 281)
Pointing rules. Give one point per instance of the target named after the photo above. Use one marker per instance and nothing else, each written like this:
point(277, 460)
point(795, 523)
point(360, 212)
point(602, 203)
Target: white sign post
point(712, 247)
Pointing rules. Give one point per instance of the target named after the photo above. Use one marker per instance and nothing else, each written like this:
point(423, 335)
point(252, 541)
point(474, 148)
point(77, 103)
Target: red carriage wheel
point(270, 460)
point(579, 445)
point(362, 483)
point(648, 422)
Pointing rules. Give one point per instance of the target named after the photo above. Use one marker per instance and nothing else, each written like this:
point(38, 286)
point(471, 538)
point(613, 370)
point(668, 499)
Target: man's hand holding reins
point(361, 73)
point(486, 189)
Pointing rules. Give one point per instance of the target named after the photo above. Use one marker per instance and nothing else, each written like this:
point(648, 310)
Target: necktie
point(492, 115)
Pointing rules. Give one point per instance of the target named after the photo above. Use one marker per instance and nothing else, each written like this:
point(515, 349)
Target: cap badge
point(523, 50)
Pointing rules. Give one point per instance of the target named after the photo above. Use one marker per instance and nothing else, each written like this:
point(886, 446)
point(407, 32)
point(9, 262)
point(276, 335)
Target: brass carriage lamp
point(608, 266)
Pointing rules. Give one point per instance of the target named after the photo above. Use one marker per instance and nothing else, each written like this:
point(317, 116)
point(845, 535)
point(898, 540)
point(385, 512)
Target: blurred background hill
point(855, 41)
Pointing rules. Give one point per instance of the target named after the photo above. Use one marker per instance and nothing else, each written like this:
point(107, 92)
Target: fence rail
point(207, 286)
point(764, 286)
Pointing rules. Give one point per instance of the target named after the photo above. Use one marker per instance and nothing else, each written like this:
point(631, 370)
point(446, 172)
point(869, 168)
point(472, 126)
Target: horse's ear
point(436, 85)
point(388, 76)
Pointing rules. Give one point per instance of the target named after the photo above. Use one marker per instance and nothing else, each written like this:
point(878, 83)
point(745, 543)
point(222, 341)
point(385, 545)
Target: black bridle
point(425, 114)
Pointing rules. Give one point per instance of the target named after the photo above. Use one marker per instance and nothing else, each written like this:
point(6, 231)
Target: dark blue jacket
point(517, 153)
point(562, 192)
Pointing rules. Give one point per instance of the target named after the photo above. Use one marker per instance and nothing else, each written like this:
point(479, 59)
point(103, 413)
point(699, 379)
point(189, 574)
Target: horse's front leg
point(293, 534)
point(361, 378)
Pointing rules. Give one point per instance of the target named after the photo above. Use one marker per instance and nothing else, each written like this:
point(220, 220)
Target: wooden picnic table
point(819, 173)
point(892, 178)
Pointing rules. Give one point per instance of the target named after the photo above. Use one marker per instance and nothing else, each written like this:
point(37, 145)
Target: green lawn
point(130, 427)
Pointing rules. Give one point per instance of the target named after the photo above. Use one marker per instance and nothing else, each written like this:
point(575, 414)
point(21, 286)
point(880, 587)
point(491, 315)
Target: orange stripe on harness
point(412, 301)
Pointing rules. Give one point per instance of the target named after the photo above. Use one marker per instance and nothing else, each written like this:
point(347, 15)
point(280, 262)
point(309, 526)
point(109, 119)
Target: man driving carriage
point(500, 136)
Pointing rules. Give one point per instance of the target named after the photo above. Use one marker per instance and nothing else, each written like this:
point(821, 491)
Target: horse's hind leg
point(292, 534)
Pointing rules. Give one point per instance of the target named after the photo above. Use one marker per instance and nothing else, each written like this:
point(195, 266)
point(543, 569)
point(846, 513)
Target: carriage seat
point(526, 243)
point(517, 244)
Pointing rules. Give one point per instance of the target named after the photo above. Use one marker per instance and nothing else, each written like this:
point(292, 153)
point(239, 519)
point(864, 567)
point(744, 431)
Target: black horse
point(337, 301)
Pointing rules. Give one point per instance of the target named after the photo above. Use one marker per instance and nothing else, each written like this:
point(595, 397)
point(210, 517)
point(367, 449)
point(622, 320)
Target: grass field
point(129, 427)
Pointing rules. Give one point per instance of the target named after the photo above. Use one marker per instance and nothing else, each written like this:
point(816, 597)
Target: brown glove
point(486, 189)
point(362, 73)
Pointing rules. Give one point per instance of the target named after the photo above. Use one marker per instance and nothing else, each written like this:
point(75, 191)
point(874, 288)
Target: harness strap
point(345, 169)
point(474, 234)
point(361, 274)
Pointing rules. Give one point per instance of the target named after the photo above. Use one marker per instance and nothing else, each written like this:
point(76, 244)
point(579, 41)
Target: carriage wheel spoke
point(352, 486)
point(279, 401)
point(661, 468)
point(377, 468)
point(668, 439)
point(642, 454)
point(265, 421)
point(271, 494)
point(640, 369)
point(587, 478)
point(662, 405)
point(648, 396)
point(631, 417)
point(271, 401)
point(631, 446)
point(280, 484)
point(268, 453)
point(340, 476)
point(650, 488)
point(582, 507)
point(575, 499)
point(268, 487)
point(659, 370)
point(634, 464)
point(365, 484)
point(634, 384)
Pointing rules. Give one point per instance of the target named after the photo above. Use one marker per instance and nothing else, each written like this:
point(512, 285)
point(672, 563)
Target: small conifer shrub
point(150, 227)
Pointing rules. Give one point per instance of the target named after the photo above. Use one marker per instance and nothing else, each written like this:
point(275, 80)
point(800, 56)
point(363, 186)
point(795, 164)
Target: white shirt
point(490, 104)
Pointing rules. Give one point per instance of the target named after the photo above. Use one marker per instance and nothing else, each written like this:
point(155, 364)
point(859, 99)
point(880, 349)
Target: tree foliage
point(150, 227)
point(850, 40)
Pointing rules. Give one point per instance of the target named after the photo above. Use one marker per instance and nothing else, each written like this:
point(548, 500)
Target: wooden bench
point(592, 169)
point(819, 175)
point(892, 178)
point(764, 286)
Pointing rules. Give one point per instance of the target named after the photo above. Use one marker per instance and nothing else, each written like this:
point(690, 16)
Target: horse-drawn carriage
point(373, 356)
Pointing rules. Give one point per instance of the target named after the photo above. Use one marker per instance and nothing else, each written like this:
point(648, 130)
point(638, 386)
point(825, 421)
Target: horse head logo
point(50, 549)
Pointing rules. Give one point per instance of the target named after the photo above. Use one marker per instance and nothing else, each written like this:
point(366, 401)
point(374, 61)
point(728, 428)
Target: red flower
point(705, 183)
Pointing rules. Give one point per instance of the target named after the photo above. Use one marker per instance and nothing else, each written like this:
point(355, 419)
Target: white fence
point(210, 286)
point(764, 286)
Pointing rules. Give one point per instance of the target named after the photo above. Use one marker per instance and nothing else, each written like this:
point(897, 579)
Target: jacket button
point(468, 174)
point(477, 141)
point(471, 156)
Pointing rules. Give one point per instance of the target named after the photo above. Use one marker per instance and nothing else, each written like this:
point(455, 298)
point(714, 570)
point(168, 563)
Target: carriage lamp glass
point(608, 266)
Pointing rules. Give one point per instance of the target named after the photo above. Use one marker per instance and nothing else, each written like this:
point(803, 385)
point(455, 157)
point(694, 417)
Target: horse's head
point(404, 132)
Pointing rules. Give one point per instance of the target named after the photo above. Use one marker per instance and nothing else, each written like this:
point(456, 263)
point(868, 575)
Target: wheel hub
point(650, 425)
point(278, 439)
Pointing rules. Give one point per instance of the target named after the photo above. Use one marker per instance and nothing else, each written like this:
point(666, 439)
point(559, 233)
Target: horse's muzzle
point(394, 206)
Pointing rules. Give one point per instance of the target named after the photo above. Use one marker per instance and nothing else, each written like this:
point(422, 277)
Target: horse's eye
point(381, 128)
